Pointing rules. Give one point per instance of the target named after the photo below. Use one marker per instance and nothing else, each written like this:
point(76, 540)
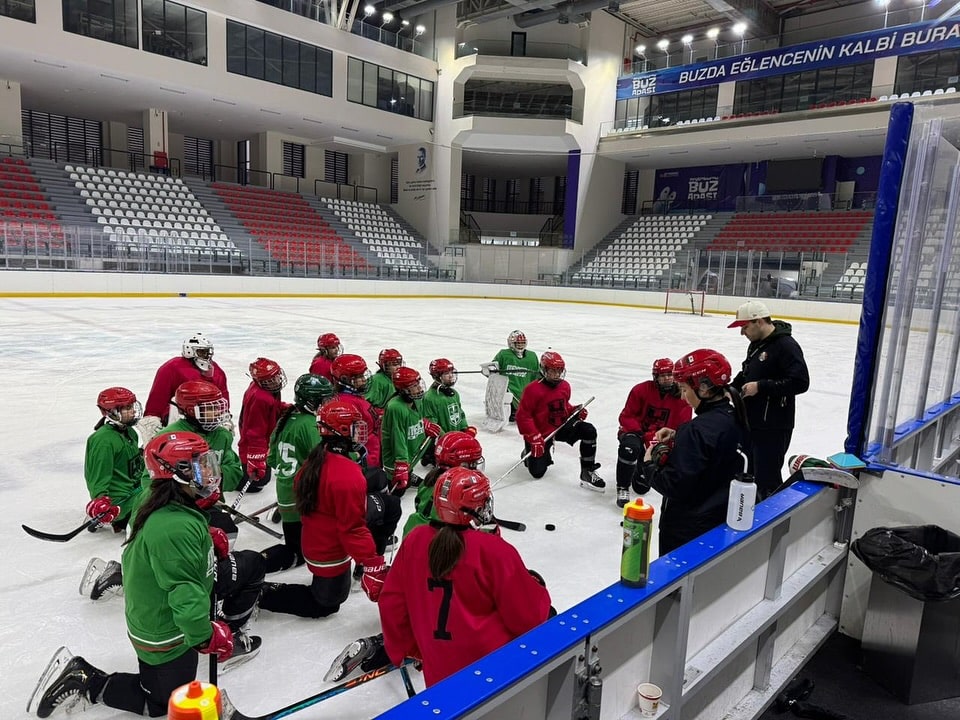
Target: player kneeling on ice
point(113, 461)
point(545, 408)
point(172, 562)
point(332, 501)
point(455, 593)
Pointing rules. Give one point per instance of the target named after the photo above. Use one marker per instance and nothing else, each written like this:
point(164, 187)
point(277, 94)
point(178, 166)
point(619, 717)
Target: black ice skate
point(623, 496)
point(76, 682)
point(589, 478)
point(245, 648)
point(366, 653)
point(101, 578)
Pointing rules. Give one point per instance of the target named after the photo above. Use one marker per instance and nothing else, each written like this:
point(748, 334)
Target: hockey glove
point(470, 430)
point(209, 501)
point(148, 426)
point(431, 429)
point(374, 573)
point(660, 453)
point(401, 478)
point(537, 446)
point(226, 421)
point(490, 367)
point(220, 642)
point(221, 544)
point(103, 505)
point(256, 468)
point(582, 415)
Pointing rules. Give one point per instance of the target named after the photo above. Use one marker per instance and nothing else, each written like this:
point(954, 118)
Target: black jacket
point(777, 365)
point(695, 480)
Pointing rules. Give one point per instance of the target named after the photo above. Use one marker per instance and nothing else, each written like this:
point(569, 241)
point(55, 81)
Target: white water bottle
point(743, 498)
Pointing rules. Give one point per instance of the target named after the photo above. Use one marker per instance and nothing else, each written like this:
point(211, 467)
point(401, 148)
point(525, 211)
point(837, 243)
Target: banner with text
point(713, 187)
point(847, 50)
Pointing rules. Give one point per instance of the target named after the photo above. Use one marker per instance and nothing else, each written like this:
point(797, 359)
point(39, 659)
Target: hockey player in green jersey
point(454, 449)
point(380, 389)
point(441, 403)
point(291, 442)
point(520, 365)
point(404, 429)
point(172, 563)
point(113, 462)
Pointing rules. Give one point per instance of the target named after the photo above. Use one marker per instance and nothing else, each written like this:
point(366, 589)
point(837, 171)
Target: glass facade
point(263, 55)
point(175, 30)
point(387, 89)
point(931, 71)
point(801, 91)
point(671, 108)
point(19, 10)
point(114, 21)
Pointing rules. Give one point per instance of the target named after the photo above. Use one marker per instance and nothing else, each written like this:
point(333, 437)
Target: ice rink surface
point(60, 353)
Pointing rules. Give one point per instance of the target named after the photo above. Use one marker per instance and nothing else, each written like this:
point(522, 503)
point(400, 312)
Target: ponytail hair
point(162, 492)
point(307, 481)
point(445, 550)
point(283, 420)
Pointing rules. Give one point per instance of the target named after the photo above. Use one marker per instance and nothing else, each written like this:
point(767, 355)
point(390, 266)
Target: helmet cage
point(341, 420)
point(123, 415)
point(268, 375)
point(517, 342)
point(389, 358)
point(413, 391)
point(552, 362)
point(209, 414)
point(463, 497)
point(199, 470)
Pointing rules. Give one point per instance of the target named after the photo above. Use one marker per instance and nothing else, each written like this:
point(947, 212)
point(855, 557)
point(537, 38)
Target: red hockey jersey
point(322, 366)
point(336, 530)
point(487, 600)
point(647, 410)
point(258, 417)
point(171, 375)
point(543, 408)
point(373, 426)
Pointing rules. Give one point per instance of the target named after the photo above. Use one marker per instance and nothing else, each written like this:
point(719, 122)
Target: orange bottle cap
point(195, 701)
point(638, 510)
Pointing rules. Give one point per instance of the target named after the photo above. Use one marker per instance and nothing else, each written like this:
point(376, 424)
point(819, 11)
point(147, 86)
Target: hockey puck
point(550, 526)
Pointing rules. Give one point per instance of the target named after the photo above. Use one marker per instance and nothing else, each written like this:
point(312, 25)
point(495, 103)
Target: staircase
point(346, 234)
point(256, 257)
point(429, 250)
point(84, 234)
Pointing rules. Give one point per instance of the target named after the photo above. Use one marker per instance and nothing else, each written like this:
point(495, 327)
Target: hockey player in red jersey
point(328, 350)
point(651, 405)
point(195, 363)
point(544, 406)
point(258, 417)
point(351, 378)
point(454, 593)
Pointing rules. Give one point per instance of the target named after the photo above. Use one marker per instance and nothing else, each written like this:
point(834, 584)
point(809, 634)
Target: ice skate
point(623, 496)
point(101, 578)
point(589, 478)
point(245, 648)
point(354, 655)
point(68, 681)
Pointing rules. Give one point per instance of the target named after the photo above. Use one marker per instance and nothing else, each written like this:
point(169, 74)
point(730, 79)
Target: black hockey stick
point(510, 524)
point(252, 520)
point(231, 713)
point(262, 510)
point(91, 522)
point(407, 682)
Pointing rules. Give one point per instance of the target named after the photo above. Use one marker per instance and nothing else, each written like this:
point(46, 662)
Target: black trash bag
point(921, 560)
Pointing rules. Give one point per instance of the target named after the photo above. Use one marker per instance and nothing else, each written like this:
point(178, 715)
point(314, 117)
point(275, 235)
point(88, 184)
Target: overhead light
point(114, 77)
point(740, 28)
point(420, 29)
point(387, 17)
point(405, 23)
point(369, 10)
point(313, 120)
point(713, 32)
point(225, 102)
point(663, 44)
point(271, 112)
point(51, 64)
point(686, 39)
point(641, 49)
point(173, 90)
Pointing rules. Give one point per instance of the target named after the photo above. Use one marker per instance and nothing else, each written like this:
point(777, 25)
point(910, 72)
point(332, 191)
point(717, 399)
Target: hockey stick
point(262, 510)
point(255, 522)
point(91, 522)
point(510, 524)
point(407, 682)
point(548, 438)
point(243, 491)
point(231, 713)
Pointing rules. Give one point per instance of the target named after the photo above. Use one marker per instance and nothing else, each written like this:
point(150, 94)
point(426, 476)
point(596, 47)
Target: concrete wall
point(11, 126)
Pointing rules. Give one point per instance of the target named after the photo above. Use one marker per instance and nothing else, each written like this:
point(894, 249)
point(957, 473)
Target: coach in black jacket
point(771, 377)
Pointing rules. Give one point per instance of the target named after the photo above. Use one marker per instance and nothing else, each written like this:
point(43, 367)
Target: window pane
point(370, 84)
point(324, 72)
point(354, 80)
point(291, 63)
point(308, 67)
point(426, 100)
point(255, 53)
point(385, 89)
point(196, 36)
point(236, 48)
point(273, 57)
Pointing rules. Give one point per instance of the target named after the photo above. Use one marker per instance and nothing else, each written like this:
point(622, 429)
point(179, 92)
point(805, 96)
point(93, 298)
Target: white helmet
point(200, 350)
point(517, 342)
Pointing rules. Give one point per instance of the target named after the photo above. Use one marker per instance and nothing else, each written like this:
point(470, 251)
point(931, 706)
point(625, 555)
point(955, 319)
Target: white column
point(11, 123)
point(884, 76)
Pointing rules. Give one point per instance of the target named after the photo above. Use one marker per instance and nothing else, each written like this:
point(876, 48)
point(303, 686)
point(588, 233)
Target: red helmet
point(389, 356)
point(408, 383)
point(339, 419)
point(184, 457)
point(457, 448)
point(703, 366)
point(463, 496)
point(551, 361)
point(112, 403)
point(517, 341)
point(350, 372)
point(329, 345)
point(439, 368)
point(268, 374)
point(663, 366)
point(201, 401)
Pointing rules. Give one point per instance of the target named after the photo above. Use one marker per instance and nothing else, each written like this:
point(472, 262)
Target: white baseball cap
point(750, 310)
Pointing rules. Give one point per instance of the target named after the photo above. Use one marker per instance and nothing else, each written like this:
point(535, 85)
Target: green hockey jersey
point(521, 371)
point(289, 447)
point(380, 389)
point(444, 409)
point(401, 433)
point(113, 465)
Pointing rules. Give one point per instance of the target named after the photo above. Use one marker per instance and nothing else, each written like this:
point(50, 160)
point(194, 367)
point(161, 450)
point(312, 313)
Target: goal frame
point(695, 299)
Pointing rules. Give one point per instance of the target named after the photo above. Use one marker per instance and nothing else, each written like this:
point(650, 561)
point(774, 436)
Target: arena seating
point(288, 228)
point(27, 221)
point(851, 283)
point(644, 251)
point(829, 231)
point(378, 230)
point(150, 214)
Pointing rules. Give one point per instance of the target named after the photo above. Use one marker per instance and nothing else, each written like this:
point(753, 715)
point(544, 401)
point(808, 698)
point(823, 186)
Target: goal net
point(685, 301)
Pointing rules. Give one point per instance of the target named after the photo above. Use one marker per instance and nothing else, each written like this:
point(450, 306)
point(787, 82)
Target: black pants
point(238, 584)
point(322, 597)
point(147, 692)
point(629, 458)
point(768, 449)
point(383, 514)
point(582, 432)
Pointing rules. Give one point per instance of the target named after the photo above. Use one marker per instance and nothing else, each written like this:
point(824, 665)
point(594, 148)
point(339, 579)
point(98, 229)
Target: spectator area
point(832, 231)
point(379, 231)
point(27, 221)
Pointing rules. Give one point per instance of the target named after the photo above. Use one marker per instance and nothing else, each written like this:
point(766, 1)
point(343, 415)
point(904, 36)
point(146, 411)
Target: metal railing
point(504, 106)
point(504, 48)
point(513, 207)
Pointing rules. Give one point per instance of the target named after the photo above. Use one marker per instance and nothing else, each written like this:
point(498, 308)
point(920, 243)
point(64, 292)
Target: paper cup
point(648, 696)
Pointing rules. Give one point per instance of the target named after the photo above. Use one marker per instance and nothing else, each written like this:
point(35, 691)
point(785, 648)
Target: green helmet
point(311, 391)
